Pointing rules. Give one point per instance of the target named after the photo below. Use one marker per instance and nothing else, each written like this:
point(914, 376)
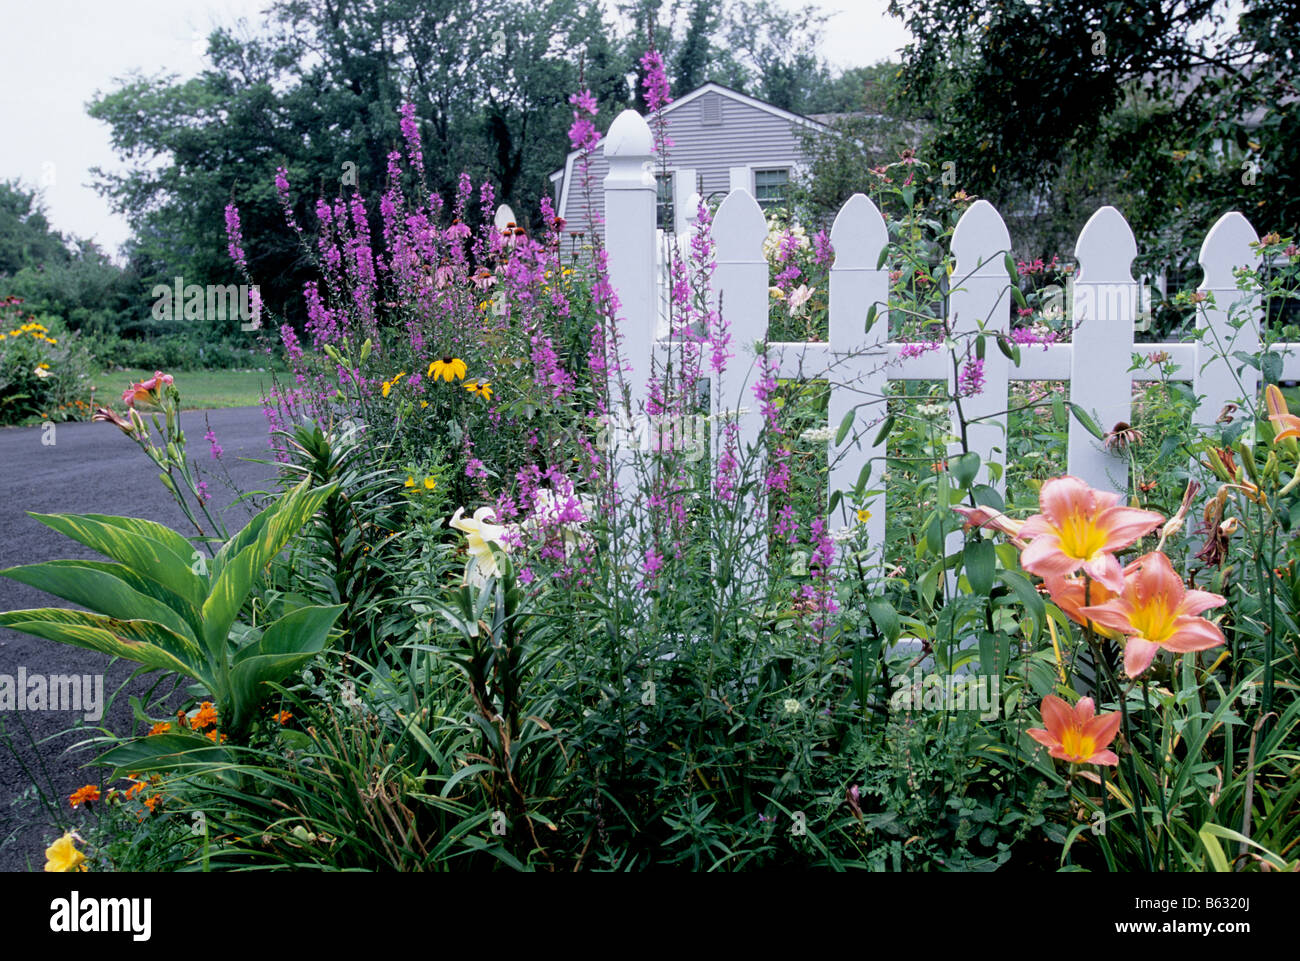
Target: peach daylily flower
point(1072, 594)
point(147, 392)
point(1287, 422)
point(984, 516)
point(1077, 734)
point(1155, 610)
point(1079, 527)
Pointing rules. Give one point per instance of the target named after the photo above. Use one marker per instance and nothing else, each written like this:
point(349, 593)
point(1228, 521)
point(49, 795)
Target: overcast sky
point(58, 53)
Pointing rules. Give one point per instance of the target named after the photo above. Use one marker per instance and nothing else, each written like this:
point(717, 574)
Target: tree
point(26, 237)
point(1050, 108)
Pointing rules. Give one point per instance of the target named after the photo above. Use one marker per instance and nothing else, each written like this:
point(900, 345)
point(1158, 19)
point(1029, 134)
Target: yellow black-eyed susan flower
point(448, 368)
point(480, 388)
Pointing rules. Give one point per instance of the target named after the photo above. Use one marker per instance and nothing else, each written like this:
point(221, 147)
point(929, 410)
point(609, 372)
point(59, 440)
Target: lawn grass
point(200, 389)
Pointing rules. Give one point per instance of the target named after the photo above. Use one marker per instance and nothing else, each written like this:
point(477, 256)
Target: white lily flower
point(479, 532)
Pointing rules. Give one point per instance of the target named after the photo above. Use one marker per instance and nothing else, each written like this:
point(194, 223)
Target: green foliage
point(161, 604)
point(44, 371)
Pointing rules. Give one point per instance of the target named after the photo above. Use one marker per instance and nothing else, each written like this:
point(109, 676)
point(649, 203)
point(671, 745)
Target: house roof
point(710, 87)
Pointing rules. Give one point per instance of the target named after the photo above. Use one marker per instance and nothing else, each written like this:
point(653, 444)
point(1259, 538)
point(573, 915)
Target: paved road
point(90, 468)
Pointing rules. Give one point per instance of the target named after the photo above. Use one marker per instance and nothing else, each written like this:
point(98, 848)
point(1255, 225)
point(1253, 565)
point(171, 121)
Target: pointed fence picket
point(858, 361)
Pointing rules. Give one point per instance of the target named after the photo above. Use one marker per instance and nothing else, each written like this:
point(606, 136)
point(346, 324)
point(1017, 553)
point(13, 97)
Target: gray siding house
point(721, 140)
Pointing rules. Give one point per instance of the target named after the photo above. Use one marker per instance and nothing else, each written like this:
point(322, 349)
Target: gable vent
point(711, 111)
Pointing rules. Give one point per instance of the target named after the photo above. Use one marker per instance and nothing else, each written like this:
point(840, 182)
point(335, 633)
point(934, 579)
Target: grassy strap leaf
point(144, 642)
point(144, 554)
point(90, 585)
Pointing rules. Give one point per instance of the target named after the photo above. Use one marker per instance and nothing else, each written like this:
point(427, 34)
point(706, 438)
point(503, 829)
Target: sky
point(59, 53)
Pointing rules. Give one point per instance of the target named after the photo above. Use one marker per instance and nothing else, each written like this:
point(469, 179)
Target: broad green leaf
point(886, 620)
point(303, 630)
point(90, 585)
point(286, 645)
point(1028, 597)
point(846, 425)
point(144, 642)
point(1088, 423)
point(147, 556)
point(980, 562)
point(883, 433)
point(965, 467)
point(163, 752)
point(230, 588)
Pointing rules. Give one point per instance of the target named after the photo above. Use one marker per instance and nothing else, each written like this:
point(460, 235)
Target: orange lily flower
point(1081, 527)
point(1279, 414)
point(1075, 734)
point(983, 516)
point(1155, 610)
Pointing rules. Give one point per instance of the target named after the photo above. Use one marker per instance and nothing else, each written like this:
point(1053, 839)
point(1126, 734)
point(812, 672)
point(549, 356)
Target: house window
point(772, 187)
point(665, 214)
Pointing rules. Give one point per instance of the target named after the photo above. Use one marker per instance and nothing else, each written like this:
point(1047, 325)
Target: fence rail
point(858, 364)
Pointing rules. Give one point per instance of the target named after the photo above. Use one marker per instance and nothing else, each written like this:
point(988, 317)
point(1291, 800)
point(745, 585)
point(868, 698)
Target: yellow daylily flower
point(63, 855)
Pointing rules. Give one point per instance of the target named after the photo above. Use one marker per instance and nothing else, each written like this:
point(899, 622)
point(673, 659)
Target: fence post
point(982, 298)
point(1103, 312)
point(1226, 246)
point(740, 288)
point(857, 237)
point(630, 241)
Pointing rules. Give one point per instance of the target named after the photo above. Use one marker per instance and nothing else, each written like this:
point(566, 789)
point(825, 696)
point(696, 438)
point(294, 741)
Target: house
point(721, 140)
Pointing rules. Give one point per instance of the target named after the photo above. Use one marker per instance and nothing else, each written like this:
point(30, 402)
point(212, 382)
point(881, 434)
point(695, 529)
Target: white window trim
point(793, 167)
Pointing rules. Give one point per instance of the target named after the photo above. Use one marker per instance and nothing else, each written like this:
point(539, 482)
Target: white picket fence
point(858, 365)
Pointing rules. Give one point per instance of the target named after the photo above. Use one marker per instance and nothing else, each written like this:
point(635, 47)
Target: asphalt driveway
point(90, 468)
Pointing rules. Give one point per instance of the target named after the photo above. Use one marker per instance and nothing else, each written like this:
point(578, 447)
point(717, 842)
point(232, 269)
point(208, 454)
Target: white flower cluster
point(817, 435)
point(776, 233)
point(932, 410)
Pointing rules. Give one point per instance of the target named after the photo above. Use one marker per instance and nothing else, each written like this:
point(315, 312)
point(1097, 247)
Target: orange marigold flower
point(284, 717)
point(153, 802)
point(1081, 527)
point(1155, 610)
point(206, 716)
point(135, 788)
point(1075, 734)
point(182, 720)
point(212, 736)
point(160, 728)
point(83, 795)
